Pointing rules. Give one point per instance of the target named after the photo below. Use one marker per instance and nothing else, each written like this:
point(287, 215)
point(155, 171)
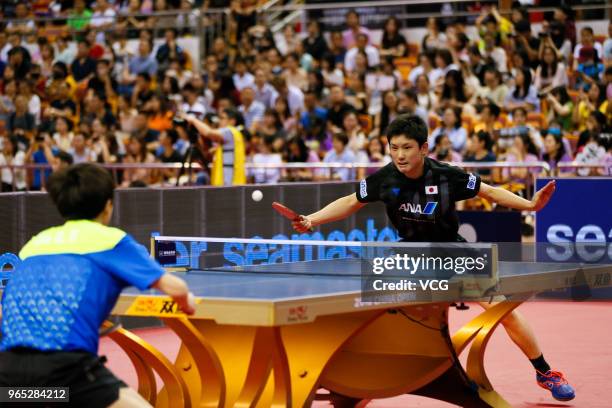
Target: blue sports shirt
point(68, 283)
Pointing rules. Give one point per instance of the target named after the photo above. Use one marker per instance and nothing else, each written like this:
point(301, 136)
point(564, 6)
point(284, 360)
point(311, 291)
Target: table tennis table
point(275, 334)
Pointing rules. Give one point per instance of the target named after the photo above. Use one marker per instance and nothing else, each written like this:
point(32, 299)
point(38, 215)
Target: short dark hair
point(474, 50)
point(173, 135)
point(64, 157)
point(446, 55)
point(484, 137)
point(599, 117)
point(521, 109)
point(69, 123)
point(145, 76)
point(341, 137)
point(233, 113)
point(278, 82)
point(81, 191)
point(103, 61)
point(350, 112)
point(361, 35)
point(189, 88)
point(411, 126)
point(522, 26)
point(495, 72)
point(493, 109)
point(410, 94)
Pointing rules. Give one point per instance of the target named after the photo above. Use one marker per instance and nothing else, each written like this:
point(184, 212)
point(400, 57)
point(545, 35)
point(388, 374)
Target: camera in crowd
point(513, 131)
point(543, 94)
point(506, 136)
point(191, 131)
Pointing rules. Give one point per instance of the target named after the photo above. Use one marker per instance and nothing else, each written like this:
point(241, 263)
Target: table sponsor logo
point(298, 314)
point(166, 252)
point(153, 306)
point(600, 280)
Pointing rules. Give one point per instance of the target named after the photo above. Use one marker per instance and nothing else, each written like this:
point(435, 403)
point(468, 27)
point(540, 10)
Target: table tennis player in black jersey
point(420, 195)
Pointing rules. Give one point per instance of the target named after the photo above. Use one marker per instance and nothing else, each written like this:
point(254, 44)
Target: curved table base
point(357, 356)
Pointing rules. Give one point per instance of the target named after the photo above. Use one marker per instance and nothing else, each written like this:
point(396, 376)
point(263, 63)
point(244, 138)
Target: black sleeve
point(368, 189)
point(463, 185)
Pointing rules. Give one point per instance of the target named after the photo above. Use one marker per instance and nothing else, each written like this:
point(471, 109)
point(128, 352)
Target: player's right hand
point(188, 306)
point(302, 224)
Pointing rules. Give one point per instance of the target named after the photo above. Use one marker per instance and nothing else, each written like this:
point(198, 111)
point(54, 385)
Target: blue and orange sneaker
point(555, 382)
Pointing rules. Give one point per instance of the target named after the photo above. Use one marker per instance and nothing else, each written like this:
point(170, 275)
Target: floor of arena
point(574, 337)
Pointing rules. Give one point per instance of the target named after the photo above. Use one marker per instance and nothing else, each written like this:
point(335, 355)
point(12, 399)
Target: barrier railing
point(593, 169)
point(322, 165)
point(189, 172)
point(115, 168)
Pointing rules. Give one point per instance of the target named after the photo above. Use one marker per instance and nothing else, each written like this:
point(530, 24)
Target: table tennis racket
point(286, 211)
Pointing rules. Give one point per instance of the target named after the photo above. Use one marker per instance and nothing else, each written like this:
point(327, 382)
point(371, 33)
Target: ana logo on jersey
point(429, 208)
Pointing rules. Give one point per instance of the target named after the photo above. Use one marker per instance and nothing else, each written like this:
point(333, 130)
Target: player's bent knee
point(513, 319)
point(129, 398)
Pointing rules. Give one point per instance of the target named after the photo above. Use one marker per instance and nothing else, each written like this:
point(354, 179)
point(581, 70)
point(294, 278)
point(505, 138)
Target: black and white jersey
point(423, 209)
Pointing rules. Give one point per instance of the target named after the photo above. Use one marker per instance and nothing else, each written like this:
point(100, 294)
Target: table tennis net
point(252, 255)
point(338, 258)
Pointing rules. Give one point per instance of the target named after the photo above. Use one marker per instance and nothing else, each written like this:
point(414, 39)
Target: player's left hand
point(542, 196)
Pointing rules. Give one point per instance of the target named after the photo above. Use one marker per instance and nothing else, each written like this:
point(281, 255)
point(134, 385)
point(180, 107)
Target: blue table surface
point(316, 278)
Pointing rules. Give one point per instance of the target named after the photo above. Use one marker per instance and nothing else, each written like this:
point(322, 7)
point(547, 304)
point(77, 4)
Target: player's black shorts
point(90, 383)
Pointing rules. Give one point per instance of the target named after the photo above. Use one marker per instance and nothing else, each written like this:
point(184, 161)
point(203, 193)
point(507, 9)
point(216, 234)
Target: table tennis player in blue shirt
point(68, 282)
point(420, 194)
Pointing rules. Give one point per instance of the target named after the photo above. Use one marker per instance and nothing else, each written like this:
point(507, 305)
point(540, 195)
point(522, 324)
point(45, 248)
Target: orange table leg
point(158, 362)
point(203, 372)
point(395, 354)
point(480, 329)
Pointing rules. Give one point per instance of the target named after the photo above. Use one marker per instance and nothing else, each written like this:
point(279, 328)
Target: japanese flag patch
point(431, 190)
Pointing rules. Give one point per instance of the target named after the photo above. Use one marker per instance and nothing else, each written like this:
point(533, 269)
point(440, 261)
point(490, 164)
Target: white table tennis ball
point(257, 195)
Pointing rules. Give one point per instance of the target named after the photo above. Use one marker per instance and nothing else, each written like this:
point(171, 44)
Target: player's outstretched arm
point(507, 199)
point(177, 289)
point(334, 211)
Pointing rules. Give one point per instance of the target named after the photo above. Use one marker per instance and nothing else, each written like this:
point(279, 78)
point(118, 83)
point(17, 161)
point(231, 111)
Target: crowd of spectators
point(76, 90)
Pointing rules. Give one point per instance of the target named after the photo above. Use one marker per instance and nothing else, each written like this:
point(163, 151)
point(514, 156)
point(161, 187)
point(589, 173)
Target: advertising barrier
point(576, 224)
point(230, 212)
